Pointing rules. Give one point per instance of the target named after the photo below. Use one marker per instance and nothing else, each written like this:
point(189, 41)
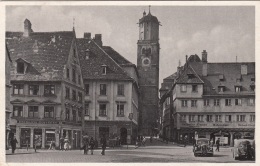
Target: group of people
point(64, 144)
point(91, 144)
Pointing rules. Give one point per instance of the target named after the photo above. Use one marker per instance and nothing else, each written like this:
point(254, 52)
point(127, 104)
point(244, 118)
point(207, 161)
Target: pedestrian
point(151, 139)
point(104, 144)
point(66, 144)
point(143, 141)
point(13, 144)
point(85, 144)
point(62, 143)
point(92, 145)
point(51, 145)
point(185, 140)
point(217, 143)
point(193, 141)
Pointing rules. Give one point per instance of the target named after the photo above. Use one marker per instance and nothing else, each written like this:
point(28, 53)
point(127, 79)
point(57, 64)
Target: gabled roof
point(119, 59)
point(91, 67)
point(189, 76)
point(46, 52)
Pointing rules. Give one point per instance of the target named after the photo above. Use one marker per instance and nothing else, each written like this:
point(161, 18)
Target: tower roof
point(148, 18)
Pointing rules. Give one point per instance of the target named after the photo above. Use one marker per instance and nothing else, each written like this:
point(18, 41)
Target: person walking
point(151, 139)
point(62, 143)
point(217, 143)
point(85, 144)
point(13, 144)
point(51, 145)
point(104, 144)
point(143, 141)
point(185, 140)
point(66, 144)
point(92, 145)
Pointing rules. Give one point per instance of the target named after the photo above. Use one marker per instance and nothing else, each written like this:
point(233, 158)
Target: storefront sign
point(245, 124)
point(37, 122)
point(194, 124)
point(220, 124)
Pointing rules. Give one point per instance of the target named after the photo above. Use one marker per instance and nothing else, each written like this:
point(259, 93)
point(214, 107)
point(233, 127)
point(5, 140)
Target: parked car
point(203, 147)
point(244, 149)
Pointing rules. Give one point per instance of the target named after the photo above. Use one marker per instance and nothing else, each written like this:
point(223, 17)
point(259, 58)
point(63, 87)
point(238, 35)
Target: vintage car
point(203, 147)
point(244, 149)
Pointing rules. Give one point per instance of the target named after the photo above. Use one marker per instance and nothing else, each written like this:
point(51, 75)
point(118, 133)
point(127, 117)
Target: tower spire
point(73, 23)
point(149, 9)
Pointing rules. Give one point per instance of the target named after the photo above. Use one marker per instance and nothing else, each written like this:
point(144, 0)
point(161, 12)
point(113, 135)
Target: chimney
point(27, 28)
point(204, 69)
point(204, 56)
point(98, 39)
point(87, 35)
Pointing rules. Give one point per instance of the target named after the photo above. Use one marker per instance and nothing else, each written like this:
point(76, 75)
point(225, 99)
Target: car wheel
point(195, 155)
point(236, 158)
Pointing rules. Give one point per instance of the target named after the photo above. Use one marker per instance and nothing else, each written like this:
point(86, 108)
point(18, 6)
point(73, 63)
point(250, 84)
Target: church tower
point(148, 68)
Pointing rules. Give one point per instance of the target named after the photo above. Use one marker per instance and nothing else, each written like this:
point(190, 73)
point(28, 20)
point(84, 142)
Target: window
point(20, 67)
point(18, 89)
point(252, 118)
point(67, 114)
point(238, 88)
point(206, 102)
point(103, 89)
point(228, 118)
point(193, 103)
point(241, 118)
point(238, 102)
point(79, 97)
point(220, 89)
point(183, 88)
point(48, 111)
point(184, 103)
point(120, 109)
point(68, 73)
point(49, 89)
point(79, 79)
point(67, 92)
point(33, 111)
point(33, 89)
point(102, 109)
point(74, 96)
point(104, 70)
point(183, 118)
point(120, 89)
point(17, 111)
point(194, 88)
point(227, 102)
point(216, 102)
point(218, 118)
point(79, 115)
point(74, 75)
point(168, 101)
point(74, 115)
point(191, 118)
point(87, 109)
point(209, 118)
point(251, 101)
point(86, 89)
point(200, 118)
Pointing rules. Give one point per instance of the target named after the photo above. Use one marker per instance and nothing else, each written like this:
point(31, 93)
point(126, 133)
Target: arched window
point(143, 51)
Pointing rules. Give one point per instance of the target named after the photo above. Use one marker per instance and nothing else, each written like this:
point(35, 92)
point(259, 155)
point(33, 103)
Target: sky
point(224, 32)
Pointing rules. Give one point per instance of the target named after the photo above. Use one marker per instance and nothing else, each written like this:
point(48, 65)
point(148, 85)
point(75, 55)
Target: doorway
point(123, 136)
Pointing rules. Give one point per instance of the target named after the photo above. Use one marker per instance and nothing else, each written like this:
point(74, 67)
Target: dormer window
point(20, 67)
point(104, 69)
point(221, 77)
point(221, 89)
point(87, 54)
point(237, 88)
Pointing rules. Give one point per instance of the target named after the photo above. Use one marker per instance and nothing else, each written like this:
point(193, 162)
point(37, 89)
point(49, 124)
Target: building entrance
point(123, 136)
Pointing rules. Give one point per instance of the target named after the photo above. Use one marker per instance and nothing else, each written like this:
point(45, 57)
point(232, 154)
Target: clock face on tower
point(146, 61)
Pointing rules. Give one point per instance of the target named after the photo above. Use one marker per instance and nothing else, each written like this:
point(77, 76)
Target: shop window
point(184, 103)
point(50, 136)
point(206, 102)
point(102, 109)
point(194, 88)
point(33, 89)
point(86, 89)
point(103, 89)
point(192, 118)
point(17, 111)
point(120, 109)
point(20, 68)
point(200, 118)
point(74, 95)
point(67, 93)
point(241, 118)
point(18, 89)
point(238, 101)
point(227, 102)
point(216, 102)
point(49, 90)
point(48, 111)
point(25, 137)
point(33, 111)
point(218, 118)
point(209, 118)
point(120, 89)
point(193, 103)
point(86, 109)
point(183, 88)
point(228, 118)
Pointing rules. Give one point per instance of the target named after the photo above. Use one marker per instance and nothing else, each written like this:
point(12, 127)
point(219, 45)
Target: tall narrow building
point(148, 68)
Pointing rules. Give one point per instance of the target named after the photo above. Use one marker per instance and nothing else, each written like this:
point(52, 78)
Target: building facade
point(111, 91)
point(148, 49)
point(47, 95)
point(211, 100)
